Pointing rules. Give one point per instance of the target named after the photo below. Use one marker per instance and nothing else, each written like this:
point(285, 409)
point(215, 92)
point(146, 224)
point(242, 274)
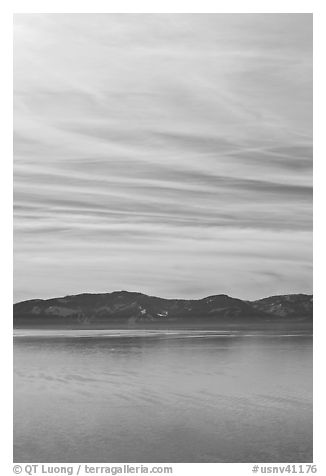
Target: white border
point(168, 6)
point(175, 6)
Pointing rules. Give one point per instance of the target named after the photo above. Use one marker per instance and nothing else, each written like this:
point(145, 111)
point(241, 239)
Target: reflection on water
point(182, 396)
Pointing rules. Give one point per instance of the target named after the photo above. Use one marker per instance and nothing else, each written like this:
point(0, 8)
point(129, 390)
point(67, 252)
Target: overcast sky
point(164, 153)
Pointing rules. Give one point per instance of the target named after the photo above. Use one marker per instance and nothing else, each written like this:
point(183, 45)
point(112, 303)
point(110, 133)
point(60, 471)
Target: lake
point(159, 396)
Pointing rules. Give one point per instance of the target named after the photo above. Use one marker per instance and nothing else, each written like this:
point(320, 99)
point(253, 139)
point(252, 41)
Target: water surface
point(159, 396)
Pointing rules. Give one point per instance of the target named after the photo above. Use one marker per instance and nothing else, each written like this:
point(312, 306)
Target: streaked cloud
point(166, 153)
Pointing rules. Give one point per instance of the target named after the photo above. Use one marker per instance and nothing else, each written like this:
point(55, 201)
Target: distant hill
point(130, 309)
point(289, 306)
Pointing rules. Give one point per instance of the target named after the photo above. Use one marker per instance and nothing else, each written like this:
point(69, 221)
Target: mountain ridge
point(135, 309)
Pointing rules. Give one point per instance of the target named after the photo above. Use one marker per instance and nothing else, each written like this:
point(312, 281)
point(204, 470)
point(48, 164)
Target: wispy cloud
point(166, 153)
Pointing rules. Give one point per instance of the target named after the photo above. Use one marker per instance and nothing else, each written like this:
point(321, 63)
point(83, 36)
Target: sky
point(169, 154)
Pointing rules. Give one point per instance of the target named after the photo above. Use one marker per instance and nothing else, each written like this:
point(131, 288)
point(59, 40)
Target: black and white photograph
point(163, 245)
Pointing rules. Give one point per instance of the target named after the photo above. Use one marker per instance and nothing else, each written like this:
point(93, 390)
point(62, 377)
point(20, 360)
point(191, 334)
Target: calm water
point(138, 396)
